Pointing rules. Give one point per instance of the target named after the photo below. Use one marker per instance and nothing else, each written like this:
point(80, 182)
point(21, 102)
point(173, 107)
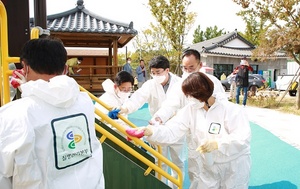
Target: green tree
point(174, 19)
point(281, 22)
point(209, 33)
point(254, 26)
point(282, 28)
point(198, 35)
point(152, 42)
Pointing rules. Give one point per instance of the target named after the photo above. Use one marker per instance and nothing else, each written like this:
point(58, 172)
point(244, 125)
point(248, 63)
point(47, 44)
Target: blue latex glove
point(113, 114)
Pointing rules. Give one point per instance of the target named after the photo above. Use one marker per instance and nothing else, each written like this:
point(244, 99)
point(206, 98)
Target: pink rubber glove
point(18, 78)
point(139, 132)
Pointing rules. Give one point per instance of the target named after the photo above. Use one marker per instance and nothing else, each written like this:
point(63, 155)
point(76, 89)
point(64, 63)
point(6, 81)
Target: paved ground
point(284, 126)
point(274, 163)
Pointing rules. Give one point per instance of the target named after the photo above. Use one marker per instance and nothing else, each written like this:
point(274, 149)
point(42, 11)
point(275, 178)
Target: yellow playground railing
point(5, 98)
point(177, 181)
point(5, 59)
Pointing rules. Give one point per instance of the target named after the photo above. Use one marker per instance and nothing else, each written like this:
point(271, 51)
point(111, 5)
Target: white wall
point(292, 68)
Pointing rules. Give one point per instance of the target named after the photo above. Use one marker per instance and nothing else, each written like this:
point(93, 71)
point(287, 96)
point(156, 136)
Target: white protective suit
point(174, 102)
point(48, 140)
point(111, 99)
point(231, 161)
point(153, 93)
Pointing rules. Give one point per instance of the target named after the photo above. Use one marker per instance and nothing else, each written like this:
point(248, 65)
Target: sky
point(220, 13)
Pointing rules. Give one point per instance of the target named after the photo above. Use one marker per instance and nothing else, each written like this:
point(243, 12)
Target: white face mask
point(185, 75)
point(123, 95)
point(129, 62)
point(195, 102)
point(159, 78)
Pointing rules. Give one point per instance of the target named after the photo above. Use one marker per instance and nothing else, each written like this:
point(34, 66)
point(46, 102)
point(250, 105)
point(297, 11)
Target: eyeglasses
point(125, 89)
point(157, 72)
point(189, 69)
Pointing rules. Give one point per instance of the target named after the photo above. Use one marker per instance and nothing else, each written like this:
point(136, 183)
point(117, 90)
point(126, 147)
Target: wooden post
point(115, 55)
point(40, 13)
point(18, 25)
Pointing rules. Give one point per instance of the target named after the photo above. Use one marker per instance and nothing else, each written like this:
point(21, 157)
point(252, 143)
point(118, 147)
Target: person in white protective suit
point(47, 138)
point(116, 93)
point(220, 132)
point(154, 92)
point(176, 100)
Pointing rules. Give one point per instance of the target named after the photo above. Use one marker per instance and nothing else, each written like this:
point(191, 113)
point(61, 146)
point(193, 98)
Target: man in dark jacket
point(242, 80)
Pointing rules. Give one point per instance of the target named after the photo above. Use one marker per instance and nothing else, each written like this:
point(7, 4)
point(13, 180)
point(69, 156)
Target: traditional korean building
point(93, 37)
point(224, 53)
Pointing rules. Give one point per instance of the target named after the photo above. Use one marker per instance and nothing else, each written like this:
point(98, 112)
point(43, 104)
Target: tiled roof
point(221, 45)
point(79, 19)
point(231, 44)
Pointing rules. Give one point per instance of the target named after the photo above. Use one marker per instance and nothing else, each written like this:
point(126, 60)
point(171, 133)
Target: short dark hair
point(44, 56)
point(199, 86)
point(128, 58)
point(189, 52)
point(123, 77)
point(159, 62)
point(80, 58)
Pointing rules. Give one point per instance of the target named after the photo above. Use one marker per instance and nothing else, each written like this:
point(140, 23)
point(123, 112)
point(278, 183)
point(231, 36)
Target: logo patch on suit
point(72, 143)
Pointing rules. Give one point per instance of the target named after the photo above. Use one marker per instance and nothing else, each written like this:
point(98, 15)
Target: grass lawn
point(274, 100)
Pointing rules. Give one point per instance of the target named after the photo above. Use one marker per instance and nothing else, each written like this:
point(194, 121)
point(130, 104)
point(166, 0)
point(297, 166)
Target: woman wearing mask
point(220, 132)
point(191, 62)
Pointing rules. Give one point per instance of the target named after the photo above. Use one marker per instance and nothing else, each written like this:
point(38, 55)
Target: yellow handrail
point(5, 59)
point(35, 33)
point(161, 158)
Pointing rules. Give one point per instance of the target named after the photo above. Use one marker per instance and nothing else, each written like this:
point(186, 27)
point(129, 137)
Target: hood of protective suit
point(60, 91)
point(108, 86)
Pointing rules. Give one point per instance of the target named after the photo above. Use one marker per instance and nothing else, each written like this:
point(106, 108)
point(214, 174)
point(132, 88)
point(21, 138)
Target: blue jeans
point(238, 90)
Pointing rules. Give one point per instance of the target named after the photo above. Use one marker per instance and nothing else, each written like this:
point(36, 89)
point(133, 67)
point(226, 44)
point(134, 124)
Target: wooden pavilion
point(79, 27)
